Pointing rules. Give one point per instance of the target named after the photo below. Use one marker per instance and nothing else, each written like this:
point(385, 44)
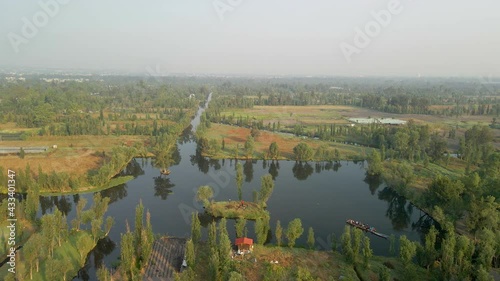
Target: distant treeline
point(78, 108)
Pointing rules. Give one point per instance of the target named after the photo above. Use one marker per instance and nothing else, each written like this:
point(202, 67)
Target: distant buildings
point(14, 79)
point(383, 121)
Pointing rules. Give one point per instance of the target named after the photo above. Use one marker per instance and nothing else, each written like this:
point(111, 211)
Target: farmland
point(74, 154)
point(234, 136)
point(311, 116)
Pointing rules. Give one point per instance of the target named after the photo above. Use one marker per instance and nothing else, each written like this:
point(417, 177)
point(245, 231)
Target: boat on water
point(366, 227)
point(165, 172)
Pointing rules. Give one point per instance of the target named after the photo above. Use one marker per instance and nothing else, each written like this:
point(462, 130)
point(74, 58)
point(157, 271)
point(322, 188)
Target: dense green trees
point(249, 146)
point(204, 194)
point(190, 253)
point(136, 246)
point(346, 242)
point(273, 152)
point(445, 192)
point(278, 233)
point(293, 232)
point(407, 250)
point(310, 238)
point(475, 146)
point(261, 229)
point(303, 152)
point(195, 228)
point(266, 189)
point(483, 214)
point(367, 252)
point(224, 248)
point(375, 167)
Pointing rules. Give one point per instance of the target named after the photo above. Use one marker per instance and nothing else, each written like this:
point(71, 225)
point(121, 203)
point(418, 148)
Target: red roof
point(243, 240)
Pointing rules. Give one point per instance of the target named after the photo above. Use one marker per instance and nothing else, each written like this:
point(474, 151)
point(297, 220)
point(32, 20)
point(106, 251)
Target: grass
point(73, 155)
point(234, 135)
point(424, 175)
point(234, 210)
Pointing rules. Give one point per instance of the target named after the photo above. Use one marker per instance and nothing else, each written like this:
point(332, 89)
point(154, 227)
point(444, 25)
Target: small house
point(244, 244)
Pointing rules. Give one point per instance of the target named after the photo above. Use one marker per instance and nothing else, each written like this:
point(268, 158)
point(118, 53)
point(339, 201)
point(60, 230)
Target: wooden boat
point(165, 172)
point(366, 227)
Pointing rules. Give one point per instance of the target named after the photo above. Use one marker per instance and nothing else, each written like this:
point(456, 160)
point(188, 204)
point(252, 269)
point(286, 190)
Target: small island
point(238, 209)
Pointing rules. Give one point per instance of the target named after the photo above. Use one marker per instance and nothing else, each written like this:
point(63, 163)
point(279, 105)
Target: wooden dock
point(165, 259)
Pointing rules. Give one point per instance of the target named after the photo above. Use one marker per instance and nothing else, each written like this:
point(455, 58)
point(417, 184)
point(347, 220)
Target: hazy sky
point(292, 37)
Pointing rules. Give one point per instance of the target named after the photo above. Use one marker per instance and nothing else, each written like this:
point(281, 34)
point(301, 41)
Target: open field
point(329, 114)
point(11, 127)
point(337, 114)
point(73, 155)
point(234, 135)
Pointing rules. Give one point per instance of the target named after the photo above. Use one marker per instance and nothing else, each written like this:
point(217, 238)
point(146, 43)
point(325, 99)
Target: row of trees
point(136, 246)
point(402, 96)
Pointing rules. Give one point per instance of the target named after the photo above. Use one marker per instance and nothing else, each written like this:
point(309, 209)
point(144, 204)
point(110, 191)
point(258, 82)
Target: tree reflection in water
point(103, 248)
point(204, 163)
point(423, 224)
point(133, 168)
point(186, 135)
point(163, 187)
point(274, 169)
point(374, 182)
point(115, 193)
point(398, 210)
point(63, 203)
point(326, 166)
point(302, 171)
point(248, 170)
point(206, 219)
